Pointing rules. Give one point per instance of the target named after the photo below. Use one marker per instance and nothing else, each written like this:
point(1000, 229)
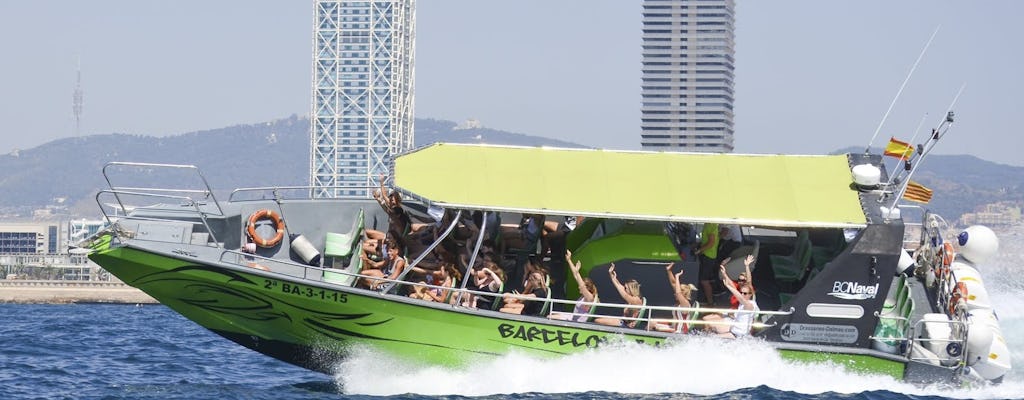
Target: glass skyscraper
point(687, 89)
point(363, 58)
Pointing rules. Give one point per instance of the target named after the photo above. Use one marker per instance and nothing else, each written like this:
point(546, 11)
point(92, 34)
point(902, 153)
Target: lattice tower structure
point(363, 93)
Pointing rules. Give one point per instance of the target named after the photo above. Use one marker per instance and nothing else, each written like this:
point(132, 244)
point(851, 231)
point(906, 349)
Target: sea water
point(150, 352)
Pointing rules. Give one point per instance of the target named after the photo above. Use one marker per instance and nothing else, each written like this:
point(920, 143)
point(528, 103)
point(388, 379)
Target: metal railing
point(314, 273)
point(112, 220)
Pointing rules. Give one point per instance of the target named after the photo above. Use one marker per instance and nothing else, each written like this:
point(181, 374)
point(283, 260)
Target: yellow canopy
point(773, 190)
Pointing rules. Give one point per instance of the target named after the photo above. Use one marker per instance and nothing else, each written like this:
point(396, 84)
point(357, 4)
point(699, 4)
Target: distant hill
point(277, 153)
point(264, 154)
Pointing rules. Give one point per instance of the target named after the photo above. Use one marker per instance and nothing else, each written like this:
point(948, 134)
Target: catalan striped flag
point(899, 149)
point(917, 192)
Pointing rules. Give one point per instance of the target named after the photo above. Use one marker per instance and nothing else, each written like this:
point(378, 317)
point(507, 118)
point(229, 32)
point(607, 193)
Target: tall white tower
point(363, 81)
point(687, 89)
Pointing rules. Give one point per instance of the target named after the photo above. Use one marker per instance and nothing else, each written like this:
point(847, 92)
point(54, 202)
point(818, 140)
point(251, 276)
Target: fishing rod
point(899, 92)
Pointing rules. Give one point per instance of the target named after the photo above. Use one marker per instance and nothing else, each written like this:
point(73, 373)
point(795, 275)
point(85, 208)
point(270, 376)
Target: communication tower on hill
point(76, 100)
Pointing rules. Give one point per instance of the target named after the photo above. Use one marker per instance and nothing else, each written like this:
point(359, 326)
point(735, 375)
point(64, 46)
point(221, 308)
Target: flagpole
point(937, 133)
point(910, 148)
point(899, 92)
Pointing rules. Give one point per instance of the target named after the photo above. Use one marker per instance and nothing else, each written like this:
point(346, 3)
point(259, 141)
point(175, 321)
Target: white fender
point(977, 243)
point(977, 295)
point(996, 362)
point(979, 335)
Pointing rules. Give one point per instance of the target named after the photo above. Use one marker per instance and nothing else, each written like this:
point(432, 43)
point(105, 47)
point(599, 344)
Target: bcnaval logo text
point(853, 290)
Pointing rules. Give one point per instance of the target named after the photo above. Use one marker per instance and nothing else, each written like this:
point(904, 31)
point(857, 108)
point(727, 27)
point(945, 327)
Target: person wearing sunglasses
point(744, 277)
point(740, 322)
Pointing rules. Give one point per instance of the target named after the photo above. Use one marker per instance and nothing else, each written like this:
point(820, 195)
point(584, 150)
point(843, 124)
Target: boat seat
point(497, 296)
point(821, 255)
point(791, 268)
point(339, 251)
point(643, 319)
point(448, 296)
point(735, 265)
point(546, 308)
point(680, 323)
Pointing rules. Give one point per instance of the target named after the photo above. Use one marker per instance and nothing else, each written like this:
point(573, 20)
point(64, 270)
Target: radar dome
point(866, 175)
point(977, 243)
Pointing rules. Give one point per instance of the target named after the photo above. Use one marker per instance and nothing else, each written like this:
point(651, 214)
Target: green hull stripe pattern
point(280, 317)
point(852, 362)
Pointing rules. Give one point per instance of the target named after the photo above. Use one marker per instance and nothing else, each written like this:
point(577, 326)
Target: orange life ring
point(947, 254)
point(275, 219)
point(958, 295)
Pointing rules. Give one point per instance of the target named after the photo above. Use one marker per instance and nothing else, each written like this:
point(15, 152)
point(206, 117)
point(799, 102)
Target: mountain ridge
point(269, 154)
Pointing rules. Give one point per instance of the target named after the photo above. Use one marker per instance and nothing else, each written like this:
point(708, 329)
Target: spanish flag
point(898, 149)
point(917, 192)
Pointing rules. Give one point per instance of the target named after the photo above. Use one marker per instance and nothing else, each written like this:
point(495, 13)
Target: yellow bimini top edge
point(770, 190)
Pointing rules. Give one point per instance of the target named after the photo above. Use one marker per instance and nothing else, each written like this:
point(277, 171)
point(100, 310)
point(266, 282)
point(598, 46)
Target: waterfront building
point(362, 105)
point(29, 238)
point(687, 79)
point(995, 214)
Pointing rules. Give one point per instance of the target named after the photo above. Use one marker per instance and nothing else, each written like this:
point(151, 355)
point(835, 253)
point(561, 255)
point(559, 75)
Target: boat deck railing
point(955, 347)
point(280, 193)
point(456, 295)
point(191, 207)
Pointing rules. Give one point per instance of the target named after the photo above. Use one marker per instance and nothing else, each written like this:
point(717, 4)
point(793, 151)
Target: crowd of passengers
point(522, 285)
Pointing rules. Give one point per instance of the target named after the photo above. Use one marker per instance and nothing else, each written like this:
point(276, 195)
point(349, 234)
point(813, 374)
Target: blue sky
point(811, 76)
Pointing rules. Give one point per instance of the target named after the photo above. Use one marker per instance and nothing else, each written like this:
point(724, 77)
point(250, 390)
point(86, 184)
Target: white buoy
point(977, 243)
point(996, 362)
point(979, 336)
point(976, 296)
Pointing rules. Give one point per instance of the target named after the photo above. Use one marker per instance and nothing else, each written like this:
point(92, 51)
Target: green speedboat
point(839, 276)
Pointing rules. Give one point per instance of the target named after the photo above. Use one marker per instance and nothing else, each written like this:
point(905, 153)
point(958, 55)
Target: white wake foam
point(702, 366)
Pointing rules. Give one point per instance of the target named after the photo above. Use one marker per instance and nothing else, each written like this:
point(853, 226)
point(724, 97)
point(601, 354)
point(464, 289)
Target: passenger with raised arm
point(630, 292)
point(743, 278)
point(391, 203)
point(390, 267)
point(485, 279)
point(683, 294)
point(742, 320)
point(442, 281)
point(536, 289)
point(588, 293)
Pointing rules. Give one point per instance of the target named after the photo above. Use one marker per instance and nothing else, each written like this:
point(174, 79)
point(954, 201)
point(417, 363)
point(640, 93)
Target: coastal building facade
point(362, 114)
point(687, 80)
point(30, 238)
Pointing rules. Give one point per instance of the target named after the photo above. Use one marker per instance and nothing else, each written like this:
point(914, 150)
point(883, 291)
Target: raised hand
point(749, 260)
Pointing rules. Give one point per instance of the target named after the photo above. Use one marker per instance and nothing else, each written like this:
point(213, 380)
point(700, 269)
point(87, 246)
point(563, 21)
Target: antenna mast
point(76, 100)
point(899, 92)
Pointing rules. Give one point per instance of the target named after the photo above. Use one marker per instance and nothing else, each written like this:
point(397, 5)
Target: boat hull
point(316, 326)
